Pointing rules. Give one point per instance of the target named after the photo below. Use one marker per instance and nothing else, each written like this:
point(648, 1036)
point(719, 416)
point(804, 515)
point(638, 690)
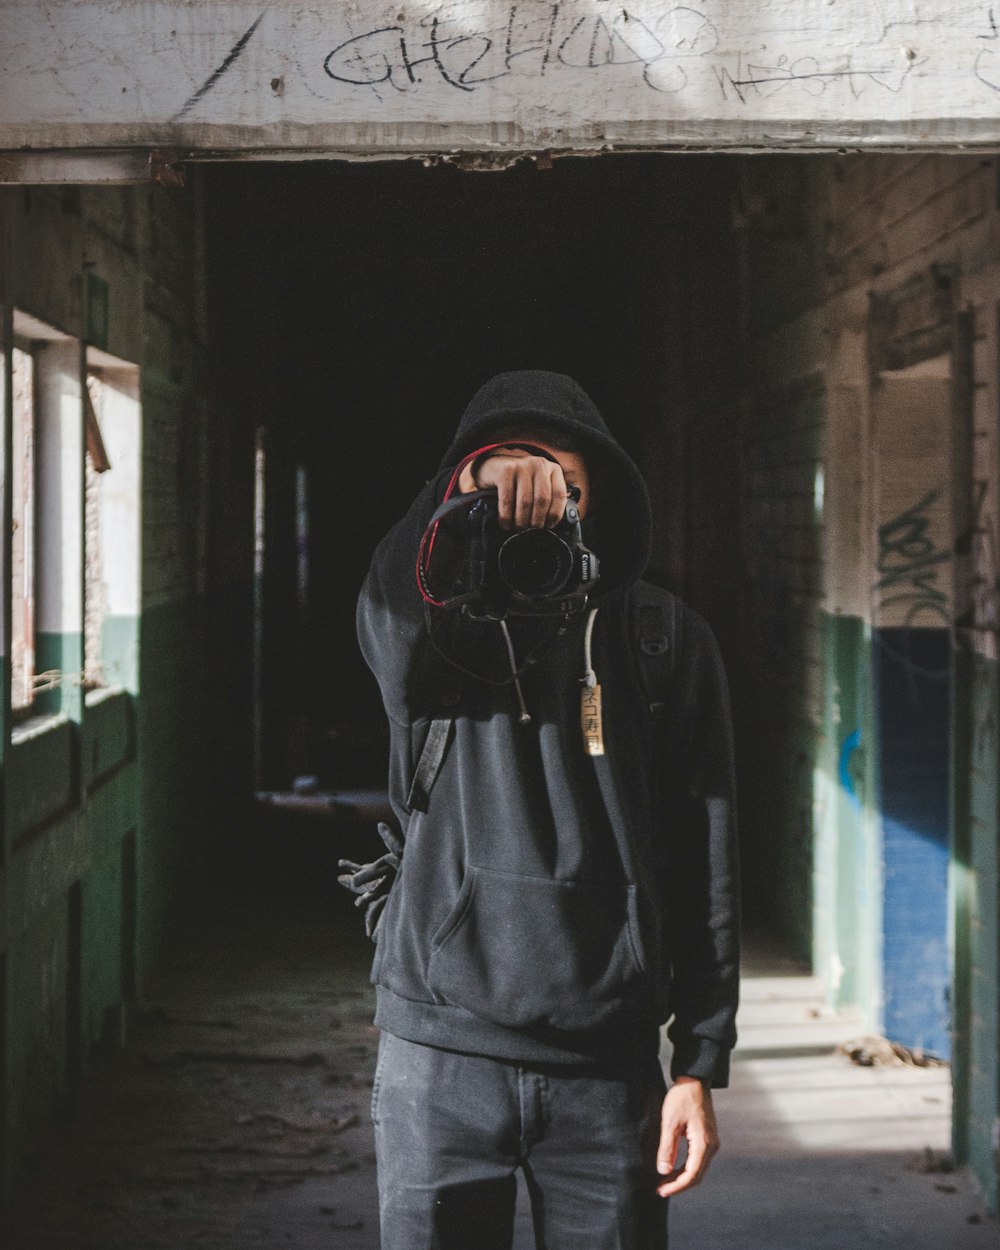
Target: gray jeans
point(451, 1130)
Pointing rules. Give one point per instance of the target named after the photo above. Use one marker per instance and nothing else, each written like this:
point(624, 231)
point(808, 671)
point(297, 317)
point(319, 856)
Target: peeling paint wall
point(482, 75)
point(872, 320)
point(109, 795)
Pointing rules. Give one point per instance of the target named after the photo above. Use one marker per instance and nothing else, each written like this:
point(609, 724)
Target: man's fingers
point(700, 1153)
point(557, 506)
point(525, 500)
point(504, 482)
point(531, 491)
point(534, 493)
point(687, 1112)
point(542, 484)
point(666, 1155)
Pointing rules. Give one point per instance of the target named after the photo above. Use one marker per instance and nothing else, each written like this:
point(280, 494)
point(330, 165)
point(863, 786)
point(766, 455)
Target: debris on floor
point(870, 1050)
point(237, 1118)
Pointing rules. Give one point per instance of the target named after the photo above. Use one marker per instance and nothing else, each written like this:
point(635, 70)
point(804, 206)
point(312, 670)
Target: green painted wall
point(827, 247)
point(120, 649)
point(60, 653)
point(975, 889)
point(846, 898)
point(101, 939)
point(117, 805)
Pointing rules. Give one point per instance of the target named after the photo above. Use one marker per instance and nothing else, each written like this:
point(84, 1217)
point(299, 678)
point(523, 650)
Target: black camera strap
point(560, 625)
point(427, 543)
point(429, 764)
point(460, 501)
point(656, 626)
point(436, 743)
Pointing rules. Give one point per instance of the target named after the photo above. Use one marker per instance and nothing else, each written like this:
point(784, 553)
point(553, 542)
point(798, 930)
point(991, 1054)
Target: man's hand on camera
point(531, 491)
point(688, 1113)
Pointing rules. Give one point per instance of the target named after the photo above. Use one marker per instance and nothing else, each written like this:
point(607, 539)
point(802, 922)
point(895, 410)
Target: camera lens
point(535, 563)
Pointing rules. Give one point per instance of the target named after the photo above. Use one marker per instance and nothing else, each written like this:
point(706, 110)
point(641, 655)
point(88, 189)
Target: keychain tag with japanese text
point(591, 720)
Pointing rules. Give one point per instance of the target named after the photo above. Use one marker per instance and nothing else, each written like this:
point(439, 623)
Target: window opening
point(23, 530)
point(112, 453)
point(46, 513)
point(95, 604)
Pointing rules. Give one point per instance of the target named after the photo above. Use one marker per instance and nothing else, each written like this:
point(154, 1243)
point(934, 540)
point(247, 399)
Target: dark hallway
point(355, 309)
point(748, 326)
point(254, 261)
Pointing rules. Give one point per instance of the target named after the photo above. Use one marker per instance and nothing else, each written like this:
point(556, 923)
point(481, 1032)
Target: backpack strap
point(429, 764)
point(656, 630)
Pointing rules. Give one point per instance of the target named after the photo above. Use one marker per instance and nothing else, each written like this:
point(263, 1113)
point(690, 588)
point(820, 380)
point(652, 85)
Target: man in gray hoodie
point(565, 877)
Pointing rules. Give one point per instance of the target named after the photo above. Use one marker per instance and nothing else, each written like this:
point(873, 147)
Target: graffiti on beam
point(592, 71)
point(813, 76)
point(448, 49)
point(987, 66)
point(464, 58)
point(909, 561)
point(231, 57)
point(467, 47)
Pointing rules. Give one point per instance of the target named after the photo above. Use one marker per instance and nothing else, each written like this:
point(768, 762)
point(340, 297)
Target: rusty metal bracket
point(165, 168)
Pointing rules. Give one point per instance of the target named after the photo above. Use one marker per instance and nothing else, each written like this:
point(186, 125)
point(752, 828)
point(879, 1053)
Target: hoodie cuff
point(702, 1058)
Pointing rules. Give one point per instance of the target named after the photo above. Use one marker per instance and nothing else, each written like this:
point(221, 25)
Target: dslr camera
point(530, 572)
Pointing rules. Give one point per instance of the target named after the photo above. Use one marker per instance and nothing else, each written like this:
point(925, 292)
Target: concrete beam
point(366, 77)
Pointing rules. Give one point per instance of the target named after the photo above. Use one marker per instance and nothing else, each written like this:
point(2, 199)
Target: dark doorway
point(356, 308)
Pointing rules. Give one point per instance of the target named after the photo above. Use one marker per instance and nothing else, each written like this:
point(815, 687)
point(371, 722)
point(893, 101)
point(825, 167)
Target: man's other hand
point(688, 1113)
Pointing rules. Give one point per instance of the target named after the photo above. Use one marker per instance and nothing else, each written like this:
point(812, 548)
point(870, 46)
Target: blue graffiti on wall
point(851, 744)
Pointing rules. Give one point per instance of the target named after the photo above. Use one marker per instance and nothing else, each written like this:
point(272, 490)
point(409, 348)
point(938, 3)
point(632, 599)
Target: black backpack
point(656, 634)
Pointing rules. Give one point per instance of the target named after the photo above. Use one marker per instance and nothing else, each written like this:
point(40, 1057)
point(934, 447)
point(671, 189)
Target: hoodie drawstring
point(590, 698)
point(525, 716)
point(589, 678)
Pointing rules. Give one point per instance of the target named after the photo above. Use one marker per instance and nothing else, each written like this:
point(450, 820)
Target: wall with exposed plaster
point(869, 682)
point(107, 793)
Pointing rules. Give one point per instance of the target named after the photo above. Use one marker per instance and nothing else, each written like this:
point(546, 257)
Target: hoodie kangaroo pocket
point(532, 951)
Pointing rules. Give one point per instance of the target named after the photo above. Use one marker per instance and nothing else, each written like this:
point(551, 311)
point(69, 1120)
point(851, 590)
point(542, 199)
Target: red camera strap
point(426, 548)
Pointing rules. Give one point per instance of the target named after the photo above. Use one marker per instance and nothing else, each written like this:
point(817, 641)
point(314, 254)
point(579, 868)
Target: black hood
point(621, 524)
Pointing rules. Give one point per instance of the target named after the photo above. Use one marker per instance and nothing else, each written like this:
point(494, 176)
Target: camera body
point(530, 572)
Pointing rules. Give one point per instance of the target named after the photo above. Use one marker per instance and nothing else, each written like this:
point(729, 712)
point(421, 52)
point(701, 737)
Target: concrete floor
point(237, 1118)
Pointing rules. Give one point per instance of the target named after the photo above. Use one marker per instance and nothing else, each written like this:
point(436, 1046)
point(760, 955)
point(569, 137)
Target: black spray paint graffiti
point(908, 563)
point(446, 45)
point(988, 58)
point(881, 62)
point(531, 38)
point(763, 81)
point(980, 549)
point(231, 57)
point(457, 45)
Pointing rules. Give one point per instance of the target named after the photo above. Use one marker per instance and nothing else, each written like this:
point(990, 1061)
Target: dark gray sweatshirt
point(553, 905)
